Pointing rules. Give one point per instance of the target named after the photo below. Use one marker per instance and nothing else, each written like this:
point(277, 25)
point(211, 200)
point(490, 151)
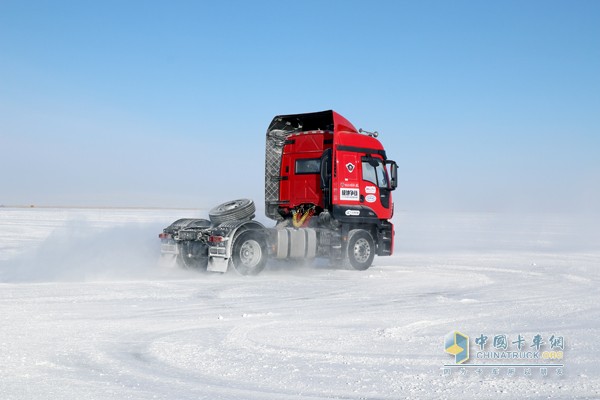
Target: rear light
point(164, 235)
point(216, 239)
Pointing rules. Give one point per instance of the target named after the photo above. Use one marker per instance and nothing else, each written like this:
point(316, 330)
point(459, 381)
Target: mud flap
point(217, 264)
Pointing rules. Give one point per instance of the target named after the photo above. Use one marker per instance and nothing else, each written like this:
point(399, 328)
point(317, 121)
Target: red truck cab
point(337, 169)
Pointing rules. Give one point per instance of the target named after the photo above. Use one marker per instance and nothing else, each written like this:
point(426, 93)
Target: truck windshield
point(375, 174)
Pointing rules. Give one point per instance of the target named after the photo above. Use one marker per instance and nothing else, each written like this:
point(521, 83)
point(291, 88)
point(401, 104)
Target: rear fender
point(219, 255)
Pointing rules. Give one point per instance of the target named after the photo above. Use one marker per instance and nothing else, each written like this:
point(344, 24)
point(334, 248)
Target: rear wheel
point(193, 255)
point(360, 250)
point(249, 253)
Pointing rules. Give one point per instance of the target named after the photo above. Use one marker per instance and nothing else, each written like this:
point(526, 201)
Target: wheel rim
point(362, 250)
point(232, 205)
point(229, 206)
point(250, 253)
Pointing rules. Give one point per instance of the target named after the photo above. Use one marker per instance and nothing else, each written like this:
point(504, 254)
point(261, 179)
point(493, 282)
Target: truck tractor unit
point(328, 187)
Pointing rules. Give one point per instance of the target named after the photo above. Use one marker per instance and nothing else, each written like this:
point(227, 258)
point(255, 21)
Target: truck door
point(376, 185)
point(326, 178)
point(361, 189)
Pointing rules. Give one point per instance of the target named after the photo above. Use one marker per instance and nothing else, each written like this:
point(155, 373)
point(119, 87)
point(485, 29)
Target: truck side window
point(308, 166)
point(368, 172)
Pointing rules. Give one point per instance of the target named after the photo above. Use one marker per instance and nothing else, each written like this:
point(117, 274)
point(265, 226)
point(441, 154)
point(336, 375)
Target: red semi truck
point(328, 187)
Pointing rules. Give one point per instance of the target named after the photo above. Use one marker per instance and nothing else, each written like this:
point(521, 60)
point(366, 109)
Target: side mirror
point(393, 168)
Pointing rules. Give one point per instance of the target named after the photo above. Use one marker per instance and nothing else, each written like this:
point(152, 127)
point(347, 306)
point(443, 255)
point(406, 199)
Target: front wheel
point(249, 253)
point(360, 250)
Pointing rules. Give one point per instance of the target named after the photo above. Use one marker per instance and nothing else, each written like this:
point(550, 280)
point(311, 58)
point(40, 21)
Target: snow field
point(86, 312)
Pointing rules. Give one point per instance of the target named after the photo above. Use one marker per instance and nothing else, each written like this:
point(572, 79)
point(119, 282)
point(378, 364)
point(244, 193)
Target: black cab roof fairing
point(328, 120)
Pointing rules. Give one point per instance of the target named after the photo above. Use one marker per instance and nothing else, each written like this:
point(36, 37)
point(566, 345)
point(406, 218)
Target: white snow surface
point(87, 312)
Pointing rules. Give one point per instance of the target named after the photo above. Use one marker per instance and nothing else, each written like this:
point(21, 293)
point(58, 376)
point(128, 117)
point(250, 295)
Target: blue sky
point(486, 106)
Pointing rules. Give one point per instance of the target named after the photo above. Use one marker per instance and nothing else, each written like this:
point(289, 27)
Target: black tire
point(249, 255)
point(193, 255)
point(235, 210)
point(360, 249)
